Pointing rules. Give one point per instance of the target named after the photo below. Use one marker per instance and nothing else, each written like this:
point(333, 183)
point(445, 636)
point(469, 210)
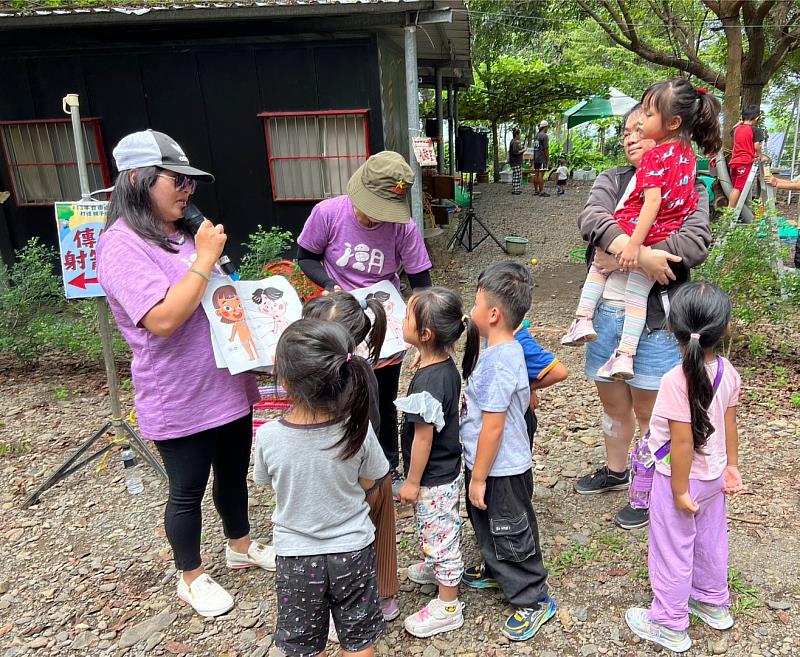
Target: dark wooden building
point(280, 100)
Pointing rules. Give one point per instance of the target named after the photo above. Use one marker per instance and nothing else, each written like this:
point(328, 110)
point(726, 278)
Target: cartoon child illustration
point(393, 327)
point(270, 302)
point(229, 308)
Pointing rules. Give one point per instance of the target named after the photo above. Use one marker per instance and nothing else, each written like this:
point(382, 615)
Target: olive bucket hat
point(381, 186)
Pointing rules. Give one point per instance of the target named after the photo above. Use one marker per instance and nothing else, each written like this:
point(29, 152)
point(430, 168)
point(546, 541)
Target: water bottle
point(133, 476)
point(642, 471)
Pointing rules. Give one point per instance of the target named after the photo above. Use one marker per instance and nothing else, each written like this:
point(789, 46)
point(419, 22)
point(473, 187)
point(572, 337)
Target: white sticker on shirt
point(363, 258)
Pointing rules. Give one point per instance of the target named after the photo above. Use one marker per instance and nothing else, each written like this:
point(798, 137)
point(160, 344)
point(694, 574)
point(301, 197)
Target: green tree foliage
point(735, 46)
point(512, 89)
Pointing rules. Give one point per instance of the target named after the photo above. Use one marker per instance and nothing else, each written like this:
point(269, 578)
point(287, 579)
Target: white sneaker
point(206, 596)
point(638, 620)
point(434, 618)
point(419, 573)
point(260, 556)
point(715, 616)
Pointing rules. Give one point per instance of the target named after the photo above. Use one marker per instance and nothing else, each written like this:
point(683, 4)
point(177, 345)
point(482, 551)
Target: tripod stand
point(117, 423)
point(464, 234)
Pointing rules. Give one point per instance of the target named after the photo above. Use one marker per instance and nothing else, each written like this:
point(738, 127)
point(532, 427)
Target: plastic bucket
point(516, 245)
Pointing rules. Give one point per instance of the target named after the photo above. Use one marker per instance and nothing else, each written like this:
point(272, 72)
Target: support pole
point(450, 130)
point(412, 110)
point(439, 123)
point(72, 102)
point(794, 147)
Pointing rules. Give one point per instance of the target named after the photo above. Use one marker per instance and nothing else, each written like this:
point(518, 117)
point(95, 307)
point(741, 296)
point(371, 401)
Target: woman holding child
point(355, 240)
point(668, 263)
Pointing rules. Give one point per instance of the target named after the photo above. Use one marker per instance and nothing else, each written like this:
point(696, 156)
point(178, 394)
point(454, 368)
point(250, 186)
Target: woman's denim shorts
point(657, 354)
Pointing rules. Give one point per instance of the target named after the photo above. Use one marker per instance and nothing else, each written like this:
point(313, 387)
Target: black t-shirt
point(541, 144)
point(443, 382)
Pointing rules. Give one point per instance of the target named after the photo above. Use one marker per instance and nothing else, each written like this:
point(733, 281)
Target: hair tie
point(349, 356)
point(702, 91)
point(465, 319)
point(363, 304)
point(694, 336)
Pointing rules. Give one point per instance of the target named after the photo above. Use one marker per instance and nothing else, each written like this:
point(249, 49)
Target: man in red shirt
point(747, 139)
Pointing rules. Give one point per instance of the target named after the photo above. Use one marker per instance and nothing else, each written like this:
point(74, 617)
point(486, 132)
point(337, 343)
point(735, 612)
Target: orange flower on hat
point(400, 186)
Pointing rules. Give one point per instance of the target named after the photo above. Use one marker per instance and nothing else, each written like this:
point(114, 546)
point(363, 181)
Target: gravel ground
point(88, 571)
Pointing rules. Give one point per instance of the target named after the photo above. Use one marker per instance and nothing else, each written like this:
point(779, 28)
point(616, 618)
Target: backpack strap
point(662, 451)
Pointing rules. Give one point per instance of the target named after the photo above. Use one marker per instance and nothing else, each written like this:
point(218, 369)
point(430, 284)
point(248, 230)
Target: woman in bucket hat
point(198, 415)
point(364, 237)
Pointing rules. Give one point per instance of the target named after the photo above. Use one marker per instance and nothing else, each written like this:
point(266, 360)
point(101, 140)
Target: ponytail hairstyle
point(699, 316)
point(441, 311)
point(351, 313)
point(697, 109)
point(314, 362)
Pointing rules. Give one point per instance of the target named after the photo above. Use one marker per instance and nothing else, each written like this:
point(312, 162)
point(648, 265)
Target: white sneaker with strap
point(435, 617)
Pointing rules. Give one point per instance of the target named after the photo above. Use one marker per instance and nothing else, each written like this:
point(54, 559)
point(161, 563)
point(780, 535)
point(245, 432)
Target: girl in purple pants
point(696, 412)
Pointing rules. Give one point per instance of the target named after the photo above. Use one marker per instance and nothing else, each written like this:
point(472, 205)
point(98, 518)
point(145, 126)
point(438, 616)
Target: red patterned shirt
point(671, 168)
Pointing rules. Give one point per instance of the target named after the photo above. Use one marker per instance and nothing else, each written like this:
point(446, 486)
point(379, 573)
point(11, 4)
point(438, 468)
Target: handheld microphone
point(193, 218)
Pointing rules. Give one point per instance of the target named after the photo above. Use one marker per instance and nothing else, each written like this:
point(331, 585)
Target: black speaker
point(431, 126)
point(472, 149)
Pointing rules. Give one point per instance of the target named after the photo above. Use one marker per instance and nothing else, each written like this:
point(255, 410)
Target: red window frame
point(102, 162)
point(266, 116)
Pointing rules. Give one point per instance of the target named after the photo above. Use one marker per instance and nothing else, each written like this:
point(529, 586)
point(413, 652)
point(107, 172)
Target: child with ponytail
point(320, 458)
point(695, 412)
point(663, 196)
point(345, 309)
point(434, 322)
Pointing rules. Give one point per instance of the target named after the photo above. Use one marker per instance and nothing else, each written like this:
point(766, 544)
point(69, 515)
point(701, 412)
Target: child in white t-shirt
point(563, 176)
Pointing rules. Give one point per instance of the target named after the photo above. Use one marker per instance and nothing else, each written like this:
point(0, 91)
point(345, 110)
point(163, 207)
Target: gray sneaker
point(602, 481)
point(397, 484)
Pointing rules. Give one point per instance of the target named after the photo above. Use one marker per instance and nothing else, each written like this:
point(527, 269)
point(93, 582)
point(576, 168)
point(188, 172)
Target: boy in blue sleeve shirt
point(544, 370)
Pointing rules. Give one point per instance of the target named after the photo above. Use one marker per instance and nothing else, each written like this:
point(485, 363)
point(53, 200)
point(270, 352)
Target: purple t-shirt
point(179, 388)
point(355, 256)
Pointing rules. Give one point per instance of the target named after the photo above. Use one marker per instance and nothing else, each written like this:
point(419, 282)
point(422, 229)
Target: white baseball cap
point(150, 148)
point(544, 124)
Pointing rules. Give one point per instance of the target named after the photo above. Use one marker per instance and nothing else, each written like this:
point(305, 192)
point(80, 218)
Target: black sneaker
point(544, 194)
point(602, 481)
point(630, 518)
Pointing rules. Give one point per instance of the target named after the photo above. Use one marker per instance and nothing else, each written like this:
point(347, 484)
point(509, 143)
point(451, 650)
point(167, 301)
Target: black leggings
point(388, 382)
point(188, 462)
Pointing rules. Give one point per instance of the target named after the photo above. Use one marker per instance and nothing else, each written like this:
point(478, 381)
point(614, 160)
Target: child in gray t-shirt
point(320, 459)
point(497, 456)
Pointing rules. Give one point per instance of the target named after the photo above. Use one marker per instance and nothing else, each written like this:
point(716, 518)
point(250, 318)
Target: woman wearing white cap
point(198, 415)
point(372, 218)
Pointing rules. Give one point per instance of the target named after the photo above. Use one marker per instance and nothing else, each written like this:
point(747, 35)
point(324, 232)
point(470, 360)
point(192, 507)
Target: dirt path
point(82, 570)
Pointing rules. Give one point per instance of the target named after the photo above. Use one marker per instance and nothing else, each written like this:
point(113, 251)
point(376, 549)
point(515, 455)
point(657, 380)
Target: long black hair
point(344, 308)
point(698, 110)
point(131, 201)
point(441, 311)
point(699, 316)
point(314, 361)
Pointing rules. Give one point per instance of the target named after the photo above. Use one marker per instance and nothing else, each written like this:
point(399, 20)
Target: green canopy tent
point(615, 103)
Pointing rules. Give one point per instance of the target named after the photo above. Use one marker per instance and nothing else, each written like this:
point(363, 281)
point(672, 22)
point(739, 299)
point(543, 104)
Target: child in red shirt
point(747, 138)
